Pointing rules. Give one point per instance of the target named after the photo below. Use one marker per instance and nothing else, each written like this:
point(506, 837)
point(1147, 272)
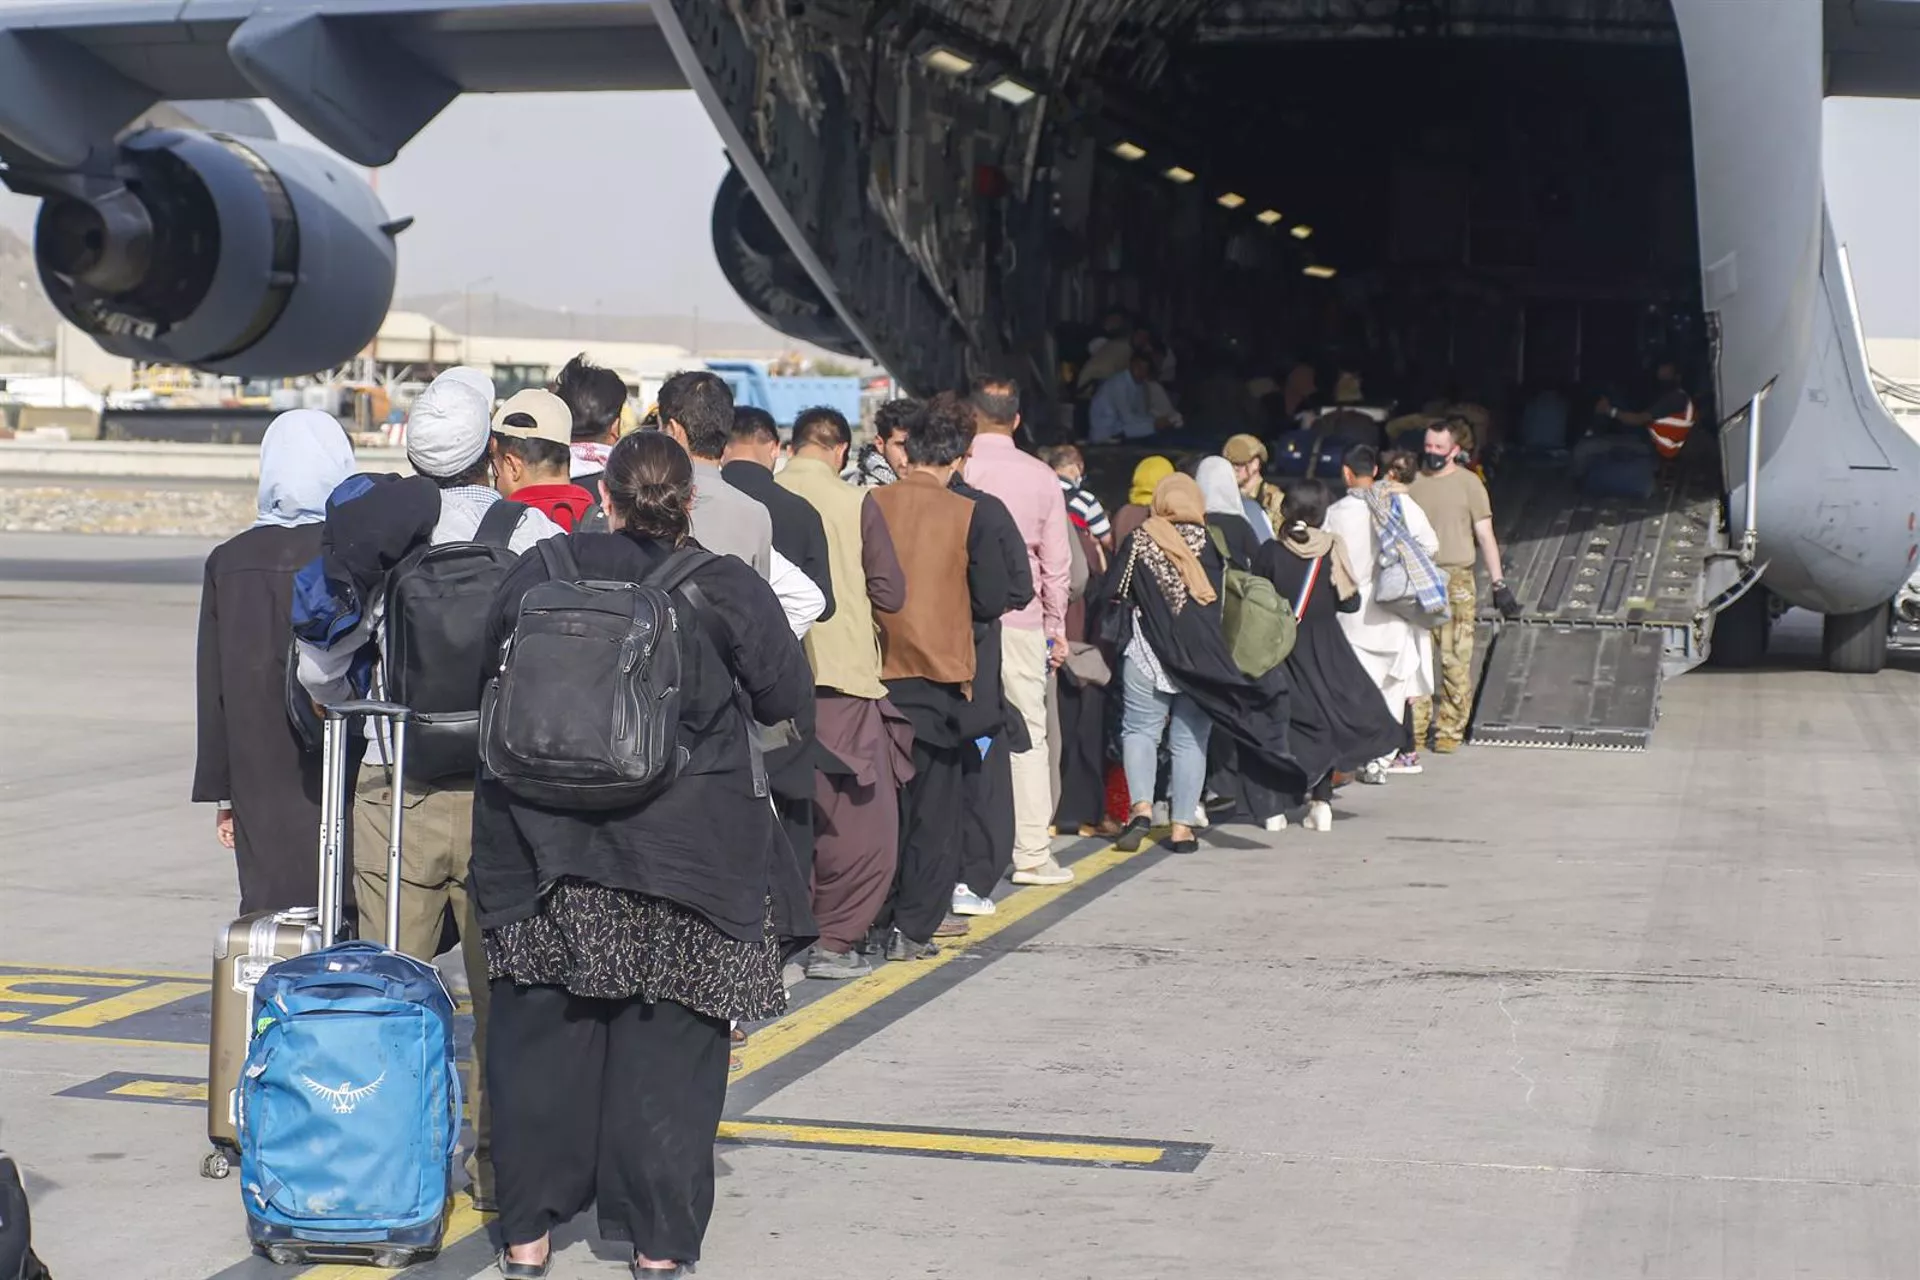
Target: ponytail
point(649, 482)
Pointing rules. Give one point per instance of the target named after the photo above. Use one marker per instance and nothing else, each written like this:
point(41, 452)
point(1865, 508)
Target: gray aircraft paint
point(1838, 479)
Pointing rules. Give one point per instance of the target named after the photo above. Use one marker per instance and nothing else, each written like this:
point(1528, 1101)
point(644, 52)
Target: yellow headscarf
point(1146, 477)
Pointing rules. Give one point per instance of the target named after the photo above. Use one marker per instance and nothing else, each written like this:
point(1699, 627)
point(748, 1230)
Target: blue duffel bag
point(1620, 475)
point(349, 1108)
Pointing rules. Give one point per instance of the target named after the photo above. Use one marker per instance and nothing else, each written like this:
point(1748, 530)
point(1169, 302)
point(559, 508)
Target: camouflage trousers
point(1448, 710)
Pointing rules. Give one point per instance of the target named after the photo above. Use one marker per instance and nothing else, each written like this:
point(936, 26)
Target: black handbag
point(1114, 627)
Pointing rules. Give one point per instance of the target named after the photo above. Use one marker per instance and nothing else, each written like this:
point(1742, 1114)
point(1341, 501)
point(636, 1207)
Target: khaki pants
point(1024, 675)
point(1453, 654)
point(436, 845)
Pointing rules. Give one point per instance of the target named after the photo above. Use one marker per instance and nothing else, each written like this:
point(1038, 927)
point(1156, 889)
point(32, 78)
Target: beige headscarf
point(1310, 544)
point(1179, 519)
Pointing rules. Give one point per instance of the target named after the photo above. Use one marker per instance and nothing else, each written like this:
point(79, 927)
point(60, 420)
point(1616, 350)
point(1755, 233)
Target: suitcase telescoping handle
point(333, 812)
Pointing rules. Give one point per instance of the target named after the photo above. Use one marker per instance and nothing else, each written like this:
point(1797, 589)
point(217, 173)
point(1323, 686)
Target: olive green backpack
point(1259, 623)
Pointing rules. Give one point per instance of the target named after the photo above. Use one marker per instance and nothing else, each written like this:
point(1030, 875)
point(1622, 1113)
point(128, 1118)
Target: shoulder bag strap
point(671, 575)
point(1126, 574)
point(557, 554)
point(1306, 591)
point(497, 525)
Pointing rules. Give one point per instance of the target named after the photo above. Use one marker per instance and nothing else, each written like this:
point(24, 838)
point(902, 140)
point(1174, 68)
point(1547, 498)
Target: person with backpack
point(623, 934)
point(250, 761)
point(1161, 611)
point(1337, 720)
point(1390, 639)
point(530, 459)
point(1226, 513)
point(425, 627)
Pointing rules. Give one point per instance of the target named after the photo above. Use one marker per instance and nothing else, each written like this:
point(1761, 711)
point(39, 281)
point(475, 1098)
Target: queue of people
point(902, 672)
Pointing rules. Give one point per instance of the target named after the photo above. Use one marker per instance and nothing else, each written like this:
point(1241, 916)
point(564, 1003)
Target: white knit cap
point(471, 377)
point(448, 428)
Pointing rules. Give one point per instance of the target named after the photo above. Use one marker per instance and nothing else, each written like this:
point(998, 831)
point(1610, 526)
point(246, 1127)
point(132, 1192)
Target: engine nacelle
point(768, 275)
point(236, 255)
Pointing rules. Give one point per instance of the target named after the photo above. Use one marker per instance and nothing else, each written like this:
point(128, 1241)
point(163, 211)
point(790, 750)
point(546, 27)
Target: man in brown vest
point(952, 577)
point(856, 793)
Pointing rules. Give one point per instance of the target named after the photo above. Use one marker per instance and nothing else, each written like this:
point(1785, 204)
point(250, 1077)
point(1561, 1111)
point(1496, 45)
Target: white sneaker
point(968, 903)
point(1200, 820)
point(1375, 774)
point(1278, 822)
point(1048, 872)
point(1162, 813)
point(1319, 816)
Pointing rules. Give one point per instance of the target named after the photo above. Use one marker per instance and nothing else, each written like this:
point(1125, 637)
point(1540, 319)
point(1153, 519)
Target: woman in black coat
point(250, 761)
point(1338, 722)
point(620, 943)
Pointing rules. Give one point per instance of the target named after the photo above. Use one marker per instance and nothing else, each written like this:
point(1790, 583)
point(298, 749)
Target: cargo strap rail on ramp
point(1612, 592)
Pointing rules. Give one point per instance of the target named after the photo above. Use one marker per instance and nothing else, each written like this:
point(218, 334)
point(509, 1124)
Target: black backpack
point(585, 710)
point(435, 658)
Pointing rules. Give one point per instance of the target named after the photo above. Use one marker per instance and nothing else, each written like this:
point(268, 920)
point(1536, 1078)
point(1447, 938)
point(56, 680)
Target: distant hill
point(494, 316)
point(23, 306)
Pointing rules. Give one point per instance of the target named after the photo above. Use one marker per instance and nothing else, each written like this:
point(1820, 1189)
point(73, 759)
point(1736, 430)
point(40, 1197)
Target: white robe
point(1397, 654)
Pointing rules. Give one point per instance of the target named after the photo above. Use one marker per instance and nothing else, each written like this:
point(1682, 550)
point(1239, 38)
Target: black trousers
point(986, 852)
point(609, 1100)
point(1083, 756)
point(932, 814)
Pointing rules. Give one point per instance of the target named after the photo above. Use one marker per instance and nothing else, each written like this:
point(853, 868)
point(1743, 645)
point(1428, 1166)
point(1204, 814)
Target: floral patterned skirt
point(613, 944)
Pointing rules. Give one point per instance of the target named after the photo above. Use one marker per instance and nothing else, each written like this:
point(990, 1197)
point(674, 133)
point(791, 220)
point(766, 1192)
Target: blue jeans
point(1144, 715)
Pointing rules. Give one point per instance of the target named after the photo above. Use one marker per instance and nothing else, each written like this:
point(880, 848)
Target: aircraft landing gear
point(1856, 643)
point(1741, 630)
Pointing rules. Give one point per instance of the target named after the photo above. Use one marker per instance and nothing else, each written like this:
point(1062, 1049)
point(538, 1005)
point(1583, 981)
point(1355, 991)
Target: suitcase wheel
point(216, 1165)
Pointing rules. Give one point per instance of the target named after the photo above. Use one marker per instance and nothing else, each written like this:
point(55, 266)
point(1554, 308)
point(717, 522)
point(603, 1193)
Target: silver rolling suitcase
point(247, 947)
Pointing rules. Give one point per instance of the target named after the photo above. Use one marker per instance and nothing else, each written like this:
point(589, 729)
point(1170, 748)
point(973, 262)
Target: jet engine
point(769, 277)
point(240, 256)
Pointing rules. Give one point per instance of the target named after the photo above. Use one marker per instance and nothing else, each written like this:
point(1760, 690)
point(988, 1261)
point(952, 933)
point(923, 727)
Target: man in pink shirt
point(1033, 639)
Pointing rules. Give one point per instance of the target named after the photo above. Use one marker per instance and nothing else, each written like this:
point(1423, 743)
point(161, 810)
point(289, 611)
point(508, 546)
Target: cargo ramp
point(1614, 594)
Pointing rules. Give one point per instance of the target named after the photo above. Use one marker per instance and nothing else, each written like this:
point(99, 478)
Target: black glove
point(1505, 602)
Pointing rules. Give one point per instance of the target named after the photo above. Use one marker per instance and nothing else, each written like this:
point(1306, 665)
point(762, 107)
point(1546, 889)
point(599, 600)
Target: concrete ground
point(1529, 1015)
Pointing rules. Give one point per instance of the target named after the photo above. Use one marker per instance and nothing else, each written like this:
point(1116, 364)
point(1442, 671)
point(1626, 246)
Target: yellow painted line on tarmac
point(98, 1013)
point(122, 1042)
point(162, 1090)
point(200, 978)
point(933, 1142)
point(13, 986)
point(770, 1044)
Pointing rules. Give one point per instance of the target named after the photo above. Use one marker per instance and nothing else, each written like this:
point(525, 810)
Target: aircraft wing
point(363, 76)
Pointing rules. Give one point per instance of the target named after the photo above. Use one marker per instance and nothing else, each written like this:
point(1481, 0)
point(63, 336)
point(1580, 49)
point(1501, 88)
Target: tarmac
point(1532, 1014)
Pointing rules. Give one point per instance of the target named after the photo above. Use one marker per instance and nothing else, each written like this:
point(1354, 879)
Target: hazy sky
point(602, 201)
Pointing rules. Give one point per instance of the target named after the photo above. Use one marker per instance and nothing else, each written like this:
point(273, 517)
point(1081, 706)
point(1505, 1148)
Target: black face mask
point(1435, 461)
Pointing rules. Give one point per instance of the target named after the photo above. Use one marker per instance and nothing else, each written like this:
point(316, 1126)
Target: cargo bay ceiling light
point(1319, 272)
point(941, 58)
point(1179, 175)
point(1231, 200)
point(1128, 151)
point(1012, 92)
point(1301, 232)
point(1267, 217)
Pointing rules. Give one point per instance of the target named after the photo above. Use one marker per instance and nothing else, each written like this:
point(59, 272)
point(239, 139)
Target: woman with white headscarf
point(250, 762)
point(1232, 536)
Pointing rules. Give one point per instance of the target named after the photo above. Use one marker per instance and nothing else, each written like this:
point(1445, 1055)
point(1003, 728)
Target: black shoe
point(1190, 845)
point(1133, 835)
point(901, 947)
point(875, 943)
point(679, 1271)
point(525, 1270)
point(483, 1204)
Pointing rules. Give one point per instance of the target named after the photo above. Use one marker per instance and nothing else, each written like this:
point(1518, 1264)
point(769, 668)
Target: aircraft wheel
point(1856, 643)
point(1740, 631)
